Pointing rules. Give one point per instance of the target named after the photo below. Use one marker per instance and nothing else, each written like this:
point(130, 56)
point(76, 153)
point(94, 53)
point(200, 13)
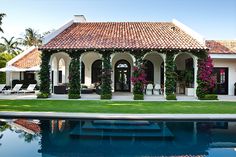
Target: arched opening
point(185, 74)
point(61, 71)
point(82, 72)
point(96, 71)
point(122, 76)
point(149, 71)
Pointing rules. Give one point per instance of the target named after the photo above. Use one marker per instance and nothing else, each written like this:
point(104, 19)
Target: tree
point(32, 38)
point(4, 58)
point(1, 17)
point(10, 46)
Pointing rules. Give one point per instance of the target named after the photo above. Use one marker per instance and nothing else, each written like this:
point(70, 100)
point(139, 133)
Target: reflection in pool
point(84, 138)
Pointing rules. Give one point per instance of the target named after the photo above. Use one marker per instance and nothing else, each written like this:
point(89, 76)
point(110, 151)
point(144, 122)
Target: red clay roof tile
point(29, 60)
point(123, 35)
point(221, 46)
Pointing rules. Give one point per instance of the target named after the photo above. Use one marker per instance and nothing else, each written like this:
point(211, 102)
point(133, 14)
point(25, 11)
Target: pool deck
point(64, 115)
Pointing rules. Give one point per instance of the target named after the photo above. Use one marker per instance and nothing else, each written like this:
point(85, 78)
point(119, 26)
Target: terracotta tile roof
point(221, 46)
point(123, 35)
point(31, 59)
point(29, 125)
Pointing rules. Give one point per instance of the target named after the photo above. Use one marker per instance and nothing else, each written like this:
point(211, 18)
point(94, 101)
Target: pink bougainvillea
point(206, 80)
point(138, 79)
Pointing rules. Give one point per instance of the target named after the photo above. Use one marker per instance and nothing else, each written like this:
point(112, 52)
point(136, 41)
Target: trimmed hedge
point(209, 97)
point(43, 95)
point(138, 97)
point(106, 96)
point(74, 96)
point(171, 97)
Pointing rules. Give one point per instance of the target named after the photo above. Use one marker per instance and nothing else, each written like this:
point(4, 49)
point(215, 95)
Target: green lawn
point(117, 106)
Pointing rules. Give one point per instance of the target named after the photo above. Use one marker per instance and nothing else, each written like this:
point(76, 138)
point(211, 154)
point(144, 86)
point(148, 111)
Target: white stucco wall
point(54, 62)
point(156, 60)
point(231, 65)
point(88, 59)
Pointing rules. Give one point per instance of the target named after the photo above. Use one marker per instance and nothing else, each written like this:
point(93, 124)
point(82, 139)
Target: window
point(96, 71)
point(149, 70)
point(82, 72)
point(29, 76)
point(59, 76)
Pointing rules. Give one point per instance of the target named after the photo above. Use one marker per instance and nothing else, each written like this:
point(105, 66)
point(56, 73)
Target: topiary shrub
point(138, 97)
point(43, 95)
point(106, 96)
point(210, 97)
point(171, 97)
point(74, 96)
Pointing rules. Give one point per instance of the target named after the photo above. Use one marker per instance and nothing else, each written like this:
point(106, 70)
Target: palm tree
point(10, 46)
point(1, 17)
point(32, 38)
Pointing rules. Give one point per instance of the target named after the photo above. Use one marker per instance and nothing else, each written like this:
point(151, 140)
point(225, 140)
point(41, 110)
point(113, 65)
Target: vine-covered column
point(44, 75)
point(74, 76)
point(138, 76)
point(106, 91)
point(170, 74)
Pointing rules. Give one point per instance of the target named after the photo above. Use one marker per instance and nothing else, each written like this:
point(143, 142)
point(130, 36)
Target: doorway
point(122, 76)
point(221, 76)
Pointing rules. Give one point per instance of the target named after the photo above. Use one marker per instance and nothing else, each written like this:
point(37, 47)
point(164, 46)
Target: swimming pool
point(102, 138)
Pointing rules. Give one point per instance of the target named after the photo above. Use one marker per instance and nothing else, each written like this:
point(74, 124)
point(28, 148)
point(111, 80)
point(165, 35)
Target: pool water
point(116, 138)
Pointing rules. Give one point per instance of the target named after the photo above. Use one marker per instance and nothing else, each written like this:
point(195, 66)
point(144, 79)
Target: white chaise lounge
point(29, 89)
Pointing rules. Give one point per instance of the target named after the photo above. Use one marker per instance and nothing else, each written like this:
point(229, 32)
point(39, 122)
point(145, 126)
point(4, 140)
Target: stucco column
point(195, 62)
point(164, 60)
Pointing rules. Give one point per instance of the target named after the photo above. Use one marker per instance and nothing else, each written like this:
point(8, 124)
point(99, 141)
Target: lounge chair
point(2, 86)
point(16, 89)
point(149, 89)
point(157, 89)
point(29, 89)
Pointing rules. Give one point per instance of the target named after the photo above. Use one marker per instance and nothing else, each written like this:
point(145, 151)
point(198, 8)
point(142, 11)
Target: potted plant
point(189, 79)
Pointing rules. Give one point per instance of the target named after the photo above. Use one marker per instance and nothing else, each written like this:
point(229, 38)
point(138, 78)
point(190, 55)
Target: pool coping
point(104, 116)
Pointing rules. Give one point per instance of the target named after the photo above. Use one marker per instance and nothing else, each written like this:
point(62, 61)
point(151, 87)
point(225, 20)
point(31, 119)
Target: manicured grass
point(117, 106)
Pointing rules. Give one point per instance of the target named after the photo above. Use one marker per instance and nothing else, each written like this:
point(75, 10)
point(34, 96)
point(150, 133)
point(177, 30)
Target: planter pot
point(189, 91)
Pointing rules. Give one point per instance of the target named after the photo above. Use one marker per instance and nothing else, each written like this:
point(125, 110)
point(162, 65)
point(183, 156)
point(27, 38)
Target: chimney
point(79, 18)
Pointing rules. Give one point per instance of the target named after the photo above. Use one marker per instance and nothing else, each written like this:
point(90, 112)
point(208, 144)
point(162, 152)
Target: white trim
point(223, 56)
point(52, 35)
point(189, 31)
point(21, 55)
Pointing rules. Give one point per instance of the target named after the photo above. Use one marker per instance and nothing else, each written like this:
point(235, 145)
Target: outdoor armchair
point(149, 89)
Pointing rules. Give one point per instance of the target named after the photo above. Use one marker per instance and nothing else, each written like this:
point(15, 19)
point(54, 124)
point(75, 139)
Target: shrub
point(209, 97)
point(43, 95)
point(138, 97)
point(106, 96)
point(206, 80)
point(171, 97)
point(74, 96)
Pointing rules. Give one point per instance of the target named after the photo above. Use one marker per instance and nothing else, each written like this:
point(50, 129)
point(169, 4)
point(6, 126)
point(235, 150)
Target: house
point(121, 44)
point(24, 67)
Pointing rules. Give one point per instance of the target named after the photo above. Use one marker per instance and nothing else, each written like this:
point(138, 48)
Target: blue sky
point(214, 19)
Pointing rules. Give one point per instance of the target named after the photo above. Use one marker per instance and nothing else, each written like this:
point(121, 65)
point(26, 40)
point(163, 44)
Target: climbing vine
point(170, 74)
point(74, 76)
point(106, 92)
point(44, 75)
